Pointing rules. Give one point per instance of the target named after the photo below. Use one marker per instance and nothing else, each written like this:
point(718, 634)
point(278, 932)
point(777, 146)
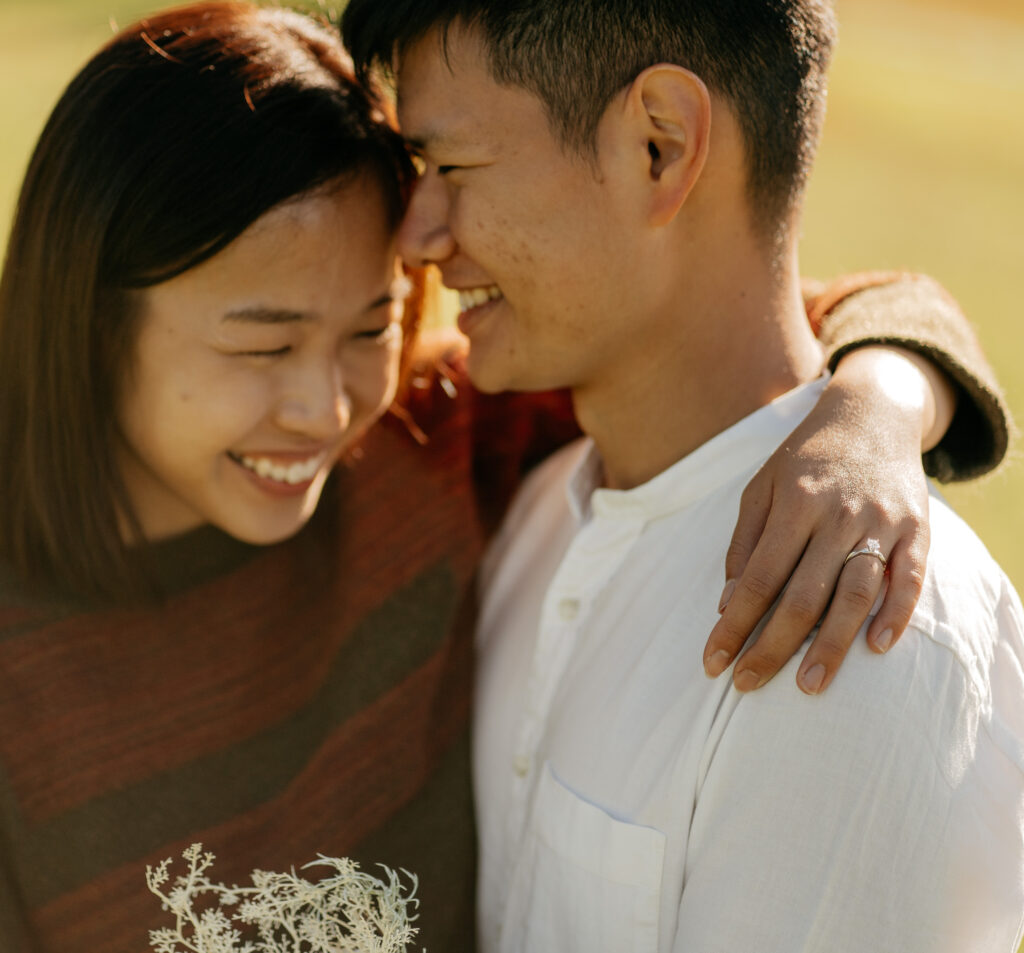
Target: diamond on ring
point(871, 548)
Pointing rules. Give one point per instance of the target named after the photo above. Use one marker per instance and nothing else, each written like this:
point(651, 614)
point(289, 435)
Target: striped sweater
point(309, 697)
point(284, 701)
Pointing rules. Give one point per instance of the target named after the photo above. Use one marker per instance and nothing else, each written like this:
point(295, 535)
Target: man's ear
point(668, 112)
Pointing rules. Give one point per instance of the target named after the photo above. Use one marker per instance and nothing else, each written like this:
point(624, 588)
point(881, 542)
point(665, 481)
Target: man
point(615, 188)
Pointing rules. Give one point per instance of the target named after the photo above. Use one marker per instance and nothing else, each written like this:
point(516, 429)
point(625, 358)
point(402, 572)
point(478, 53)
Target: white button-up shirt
point(628, 803)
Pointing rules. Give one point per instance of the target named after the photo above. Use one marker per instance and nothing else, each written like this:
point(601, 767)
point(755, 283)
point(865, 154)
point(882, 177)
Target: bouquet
point(346, 911)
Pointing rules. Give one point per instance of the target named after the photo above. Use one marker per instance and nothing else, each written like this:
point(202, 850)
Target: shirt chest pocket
point(585, 881)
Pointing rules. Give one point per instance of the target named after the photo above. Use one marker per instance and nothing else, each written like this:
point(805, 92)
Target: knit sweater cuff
point(915, 312)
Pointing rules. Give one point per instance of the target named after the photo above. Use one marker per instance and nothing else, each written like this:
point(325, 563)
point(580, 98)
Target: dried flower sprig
point(348, 912)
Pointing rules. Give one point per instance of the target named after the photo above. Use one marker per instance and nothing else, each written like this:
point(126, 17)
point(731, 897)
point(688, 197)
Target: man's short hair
point(767, 57)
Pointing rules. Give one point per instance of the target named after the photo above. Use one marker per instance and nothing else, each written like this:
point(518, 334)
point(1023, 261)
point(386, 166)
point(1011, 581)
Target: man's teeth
point(474, 297)
point(296, 473)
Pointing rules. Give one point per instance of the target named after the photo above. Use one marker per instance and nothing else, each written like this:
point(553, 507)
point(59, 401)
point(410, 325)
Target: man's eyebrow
point(439, 140)
point(259, 315)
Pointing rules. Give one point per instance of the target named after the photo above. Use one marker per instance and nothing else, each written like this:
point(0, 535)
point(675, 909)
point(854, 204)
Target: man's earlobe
point(673, 110)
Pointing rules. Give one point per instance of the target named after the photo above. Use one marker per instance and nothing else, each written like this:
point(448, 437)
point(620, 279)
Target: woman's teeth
point(293, 474)
point(474, 297)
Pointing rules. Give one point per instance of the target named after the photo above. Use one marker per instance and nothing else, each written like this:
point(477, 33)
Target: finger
point(798, 612)
point(755, 505)
point(860, 581)
point(764, 577)
point(907, 564)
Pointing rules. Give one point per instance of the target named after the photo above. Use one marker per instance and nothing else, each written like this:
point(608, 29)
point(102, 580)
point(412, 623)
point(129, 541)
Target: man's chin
point(492, 375)
point(486, 376)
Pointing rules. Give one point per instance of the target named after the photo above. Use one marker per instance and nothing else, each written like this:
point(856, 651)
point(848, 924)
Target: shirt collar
point(741, 448)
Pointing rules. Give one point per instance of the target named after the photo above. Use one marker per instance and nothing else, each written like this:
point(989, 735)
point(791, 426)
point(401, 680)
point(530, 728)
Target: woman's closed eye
point(268, 352)
point(372, 334)
point(380, 333)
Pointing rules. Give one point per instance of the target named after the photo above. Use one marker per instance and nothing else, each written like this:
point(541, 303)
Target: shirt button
point(568, 609)
point(521, 765)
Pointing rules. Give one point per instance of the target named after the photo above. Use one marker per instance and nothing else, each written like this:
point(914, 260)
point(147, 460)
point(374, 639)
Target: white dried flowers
point(347, 912)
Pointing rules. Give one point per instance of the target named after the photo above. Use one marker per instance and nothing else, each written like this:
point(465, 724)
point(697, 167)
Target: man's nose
point(425, 237)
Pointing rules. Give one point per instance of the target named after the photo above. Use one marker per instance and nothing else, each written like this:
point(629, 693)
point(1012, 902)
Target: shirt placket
point(588, 566)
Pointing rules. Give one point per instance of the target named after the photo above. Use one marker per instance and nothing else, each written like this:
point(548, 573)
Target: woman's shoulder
point(26, 607)
point(172, 569)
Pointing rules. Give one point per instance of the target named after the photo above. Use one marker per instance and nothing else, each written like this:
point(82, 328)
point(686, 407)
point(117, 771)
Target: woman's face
point(256, 369)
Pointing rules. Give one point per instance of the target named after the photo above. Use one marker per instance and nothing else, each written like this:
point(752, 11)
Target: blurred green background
point(922, 166)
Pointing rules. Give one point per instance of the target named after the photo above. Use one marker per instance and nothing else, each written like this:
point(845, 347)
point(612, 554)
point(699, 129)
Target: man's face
point(534, 237)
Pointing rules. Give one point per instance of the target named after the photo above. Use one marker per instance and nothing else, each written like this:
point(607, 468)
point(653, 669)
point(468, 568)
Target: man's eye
point(445, 169)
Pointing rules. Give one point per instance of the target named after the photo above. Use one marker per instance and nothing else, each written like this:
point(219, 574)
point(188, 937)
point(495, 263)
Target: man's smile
point(474, 297)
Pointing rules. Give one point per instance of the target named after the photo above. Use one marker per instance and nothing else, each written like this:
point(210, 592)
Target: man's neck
point(728, 349)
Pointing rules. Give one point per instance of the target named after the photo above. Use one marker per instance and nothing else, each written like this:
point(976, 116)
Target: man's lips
point(474, 303)
point(475, 297)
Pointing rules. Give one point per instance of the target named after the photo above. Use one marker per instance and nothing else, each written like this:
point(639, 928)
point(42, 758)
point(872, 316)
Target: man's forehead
point(449, 101)
point(441, 104)
point(432, 121)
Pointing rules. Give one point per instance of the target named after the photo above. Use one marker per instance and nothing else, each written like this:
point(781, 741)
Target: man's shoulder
point(967, 601)
point(905, 778)
point(957, 555)
point(956, 674)
point(959, 663)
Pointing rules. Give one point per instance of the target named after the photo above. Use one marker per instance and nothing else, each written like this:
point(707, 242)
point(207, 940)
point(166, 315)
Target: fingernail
point(812, 680)
point(748, 680)
point(730, 588)
point(717, 663)
point(883, 640)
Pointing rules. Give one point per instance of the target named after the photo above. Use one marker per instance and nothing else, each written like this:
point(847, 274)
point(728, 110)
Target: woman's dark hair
point(175, 137)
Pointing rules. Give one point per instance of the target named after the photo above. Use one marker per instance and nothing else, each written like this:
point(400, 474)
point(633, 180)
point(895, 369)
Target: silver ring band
point(872, 548)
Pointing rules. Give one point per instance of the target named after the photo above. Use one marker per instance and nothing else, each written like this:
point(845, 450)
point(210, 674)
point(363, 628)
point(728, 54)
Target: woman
point(182, 191)
point(201, 313)
point(199, 317)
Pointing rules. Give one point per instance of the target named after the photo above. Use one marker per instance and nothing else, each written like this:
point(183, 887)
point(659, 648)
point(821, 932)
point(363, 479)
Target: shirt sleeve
point(882, 816)
point(915, 312)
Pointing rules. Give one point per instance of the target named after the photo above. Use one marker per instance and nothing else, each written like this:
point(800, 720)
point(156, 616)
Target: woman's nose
point(318, 406)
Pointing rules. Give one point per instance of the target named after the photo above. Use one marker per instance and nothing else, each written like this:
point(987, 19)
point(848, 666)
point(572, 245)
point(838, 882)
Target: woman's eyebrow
point(260, 315)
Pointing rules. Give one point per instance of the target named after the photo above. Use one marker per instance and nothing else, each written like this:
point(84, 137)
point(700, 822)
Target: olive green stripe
point(215, 788)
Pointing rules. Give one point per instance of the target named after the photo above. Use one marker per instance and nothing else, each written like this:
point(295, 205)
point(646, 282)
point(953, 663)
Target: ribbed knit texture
point(311, 697)
point(915, 312)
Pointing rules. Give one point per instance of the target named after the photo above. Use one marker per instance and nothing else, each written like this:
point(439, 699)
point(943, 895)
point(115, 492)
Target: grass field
point(922, 166)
